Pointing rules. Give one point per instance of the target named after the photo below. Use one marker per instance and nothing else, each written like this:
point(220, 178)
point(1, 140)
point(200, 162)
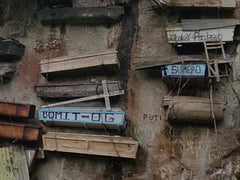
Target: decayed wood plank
point(17, 110)
point(197, 24)
point(202, 3)
point(192, 109)
point(114, 146)
point(67, 63)
point(153, 62)
point(81, 15)
point(74, 90)
point(25, 132)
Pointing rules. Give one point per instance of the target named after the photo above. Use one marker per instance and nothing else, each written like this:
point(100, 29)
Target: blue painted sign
point(83, 116)
point(184, 70)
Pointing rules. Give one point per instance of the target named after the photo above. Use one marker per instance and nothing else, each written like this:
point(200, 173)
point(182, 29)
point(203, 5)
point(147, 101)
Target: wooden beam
point(74, 90)
point(106, 95)
point(114, 146)
point(114, 93)
point(17, 110)
point(25, 132)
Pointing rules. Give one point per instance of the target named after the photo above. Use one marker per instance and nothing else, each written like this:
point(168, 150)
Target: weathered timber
point(74, 90)
point(81, 15)
point(10, 49)
point(17, 110)
point(113, 93)
point(184, 70)
point(202, 3)
point(13, 163)
point(100, 62)
point(6, 72)
point(197, 24)
point(192, 109)
point(176, 34)
point(141, 63)
point(101, 145)
point(84, 117)
point(21, 131)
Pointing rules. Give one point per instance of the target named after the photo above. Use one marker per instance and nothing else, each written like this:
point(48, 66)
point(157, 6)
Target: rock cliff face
point(166, 151)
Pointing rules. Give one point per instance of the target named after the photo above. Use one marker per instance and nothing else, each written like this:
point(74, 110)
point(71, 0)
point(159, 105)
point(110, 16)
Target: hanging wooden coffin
point(25, 132)
point(186, 70)
point(74, 90)
point(198, 30)
point(81, 15)
point(17, 110)
point(87, 64)
point(10, 49)
point(101, 145)
point(192, 109)
point(84, 117)
point(202, 3)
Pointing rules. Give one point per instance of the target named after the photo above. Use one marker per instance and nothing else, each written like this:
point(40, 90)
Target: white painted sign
point(176, 35)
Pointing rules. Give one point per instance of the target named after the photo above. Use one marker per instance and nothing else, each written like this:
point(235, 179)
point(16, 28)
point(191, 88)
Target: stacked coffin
point(16, 122)
point(10, 50)
point(105, 118)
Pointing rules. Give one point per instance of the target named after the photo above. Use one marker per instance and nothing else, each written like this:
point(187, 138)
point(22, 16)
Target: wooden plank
point(74, 90)
point(17, 110)
point(81, 15)
point(192, 109)
point(84, 117)
point(21, 131)
point(114, 93)
point(13, 163)
point(175, 34)
point(140, 63)
point(68, 64)
point(199, 24)
point(106, 95)
point(114, 146)
point(202, 3)
point(185, 70)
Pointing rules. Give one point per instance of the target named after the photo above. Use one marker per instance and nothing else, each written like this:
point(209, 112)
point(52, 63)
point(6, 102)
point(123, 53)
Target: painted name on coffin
point(195, 36)
point(185, 70)
point(83, 116)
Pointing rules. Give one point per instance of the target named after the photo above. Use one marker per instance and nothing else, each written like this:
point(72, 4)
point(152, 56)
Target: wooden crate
point(192, 109)
point(87, 64)
point(101, 145)
point(21, 131)
point(17, 110)
point(84, 117)
point(74, 90)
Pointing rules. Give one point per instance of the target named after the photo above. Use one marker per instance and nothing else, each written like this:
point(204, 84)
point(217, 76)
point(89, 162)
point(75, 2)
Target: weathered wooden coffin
point(84, 117)
point(10, 49)
point(192, 109)
point(99, 62)
point(101, 145)
point(17, 110)
point(186, 70)
point(74, 90)
point(197, 30)
point(81, 15)
point(21, 131)
point(202, 3)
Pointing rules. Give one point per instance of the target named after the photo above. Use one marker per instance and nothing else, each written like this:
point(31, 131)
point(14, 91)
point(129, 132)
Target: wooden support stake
point(106, 95)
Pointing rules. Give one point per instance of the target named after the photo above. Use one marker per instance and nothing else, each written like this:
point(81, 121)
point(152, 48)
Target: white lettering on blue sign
point(83, 115)
point(184, 70)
